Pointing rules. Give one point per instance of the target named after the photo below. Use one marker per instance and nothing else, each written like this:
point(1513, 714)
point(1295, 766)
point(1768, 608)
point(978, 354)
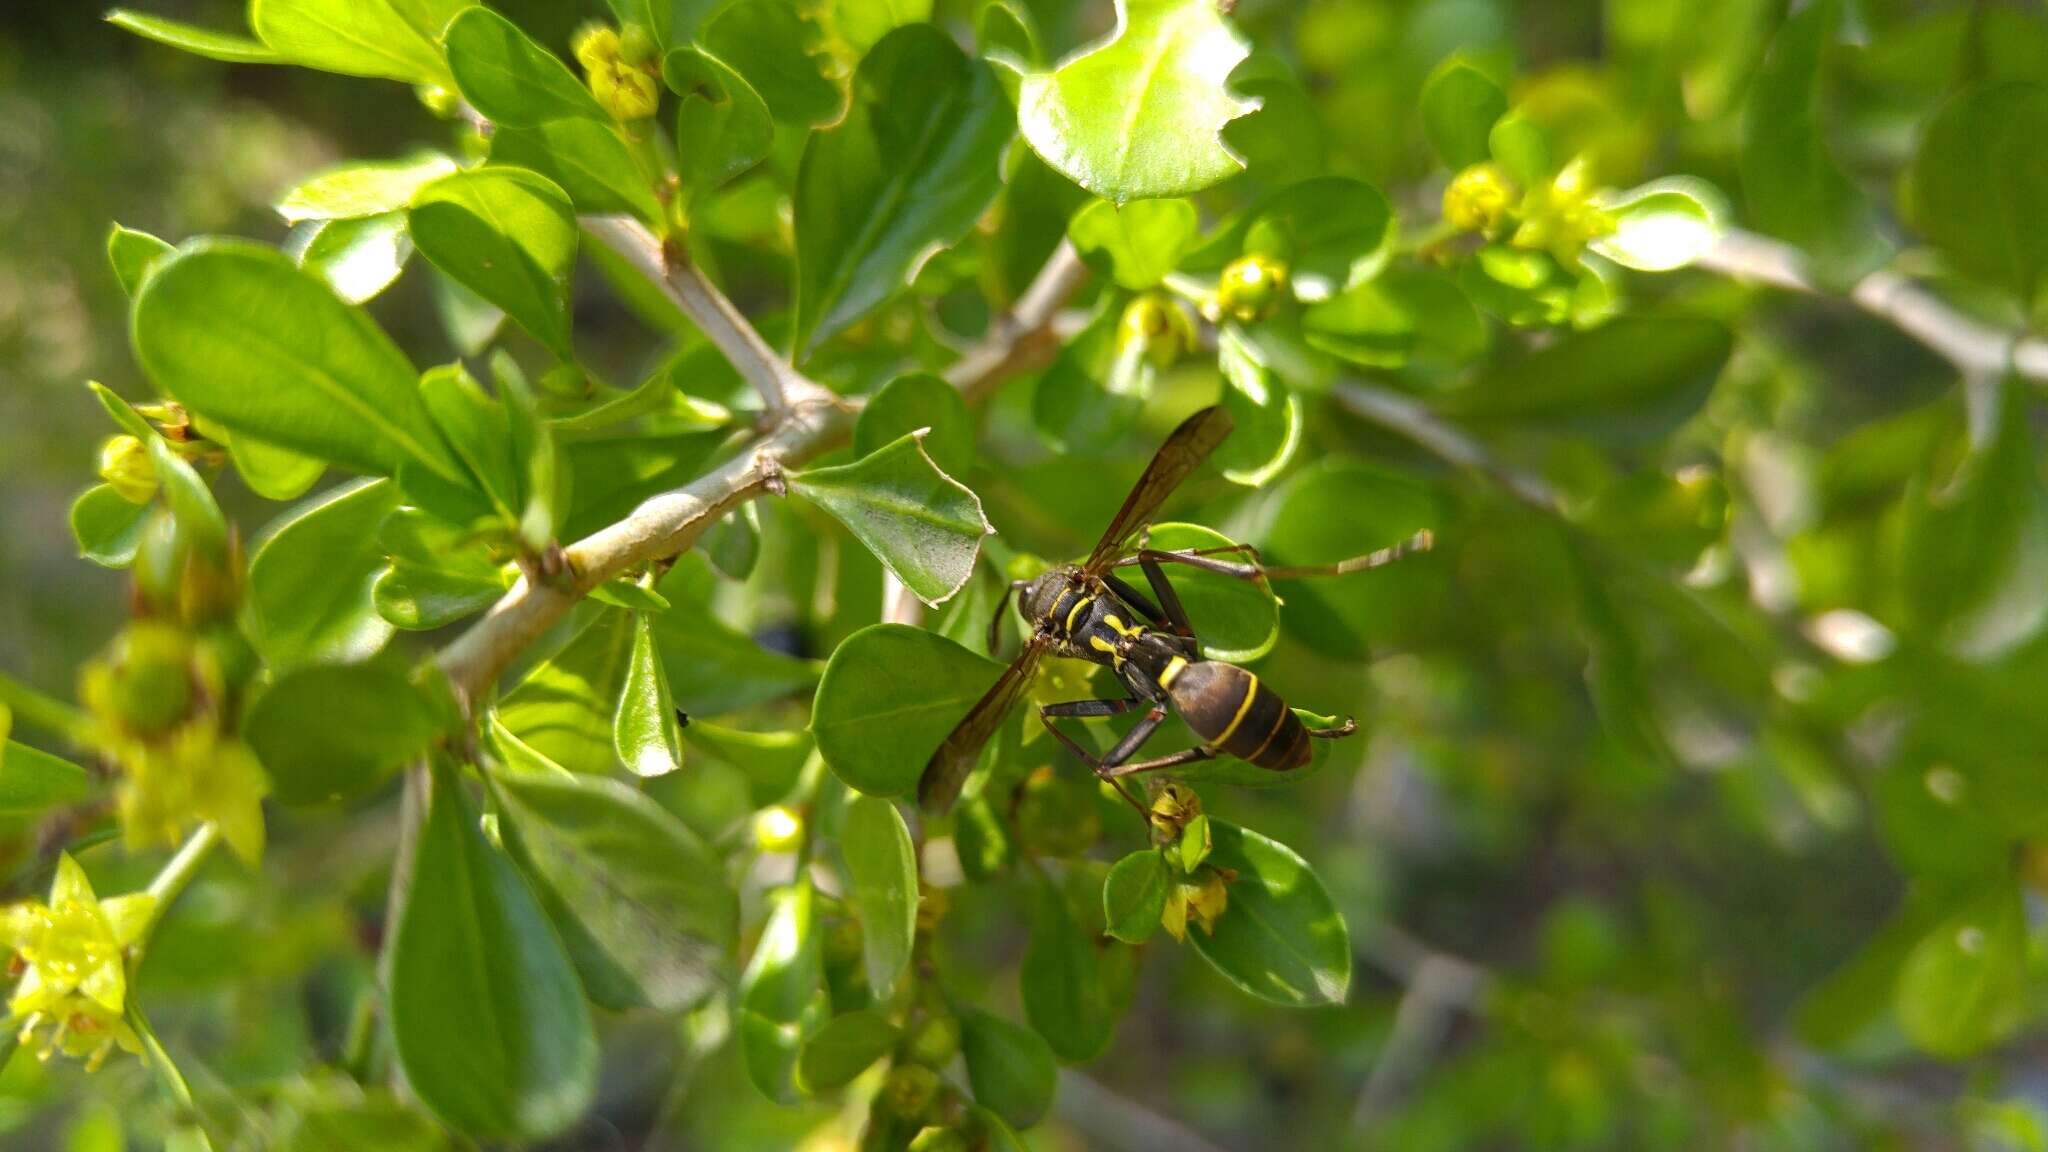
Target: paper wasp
point(1086, 612)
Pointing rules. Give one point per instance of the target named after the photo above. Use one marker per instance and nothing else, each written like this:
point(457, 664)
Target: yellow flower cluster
point(153, 698)
point(1201, 893)
point(71, 955)
point(1559, 217)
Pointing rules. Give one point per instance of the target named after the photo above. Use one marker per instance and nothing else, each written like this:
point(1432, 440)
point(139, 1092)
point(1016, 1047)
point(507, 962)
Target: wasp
point(1087, 611)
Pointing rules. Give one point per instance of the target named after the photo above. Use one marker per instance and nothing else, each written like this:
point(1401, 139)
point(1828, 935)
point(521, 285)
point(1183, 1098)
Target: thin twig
point(1022, 338)
point(1120, 1123)
point(1410, 419)
point(778, 382)
point(1975, 347)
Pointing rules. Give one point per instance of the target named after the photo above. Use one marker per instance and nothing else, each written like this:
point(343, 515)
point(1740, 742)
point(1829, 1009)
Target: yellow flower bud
point(1157, 327)
point(1250, 288)
point(1175, 805)
point(625, 91)
point(1478, 199)
point(126, 467)
point(910, 1091)
point(596, 46)
point(935, 1041)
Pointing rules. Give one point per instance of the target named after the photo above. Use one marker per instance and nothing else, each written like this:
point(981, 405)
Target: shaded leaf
point(1137, 243)
point(722, 128)
point(565, 707)
point(1979, 181)
point(881, 868)
point(487, 1018)
point(1459, 106)
point(910, 168)
point(641, 902)
point(507, 77)
point(843, 1049)
point(330, 732)
point(1010, 1068)
point(1134, 895)
point(782, 994)
point(1064, 996)
point(507, 234)
point(890, 694)
point(310, 580)
point(919, 400)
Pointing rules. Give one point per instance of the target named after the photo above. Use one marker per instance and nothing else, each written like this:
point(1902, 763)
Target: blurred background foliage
point(1706, 815)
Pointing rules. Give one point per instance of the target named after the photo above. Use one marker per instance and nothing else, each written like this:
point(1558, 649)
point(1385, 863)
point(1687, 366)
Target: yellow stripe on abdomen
point(1251, 693)
point(1172, 669)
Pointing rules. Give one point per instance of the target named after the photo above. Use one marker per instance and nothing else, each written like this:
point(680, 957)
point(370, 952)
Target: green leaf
point(641, 902)
point(910, 168)
point(1136, 244)
point(1402, 314)
point(486, 1015)
point(422, 597)
point(191, 502)
point(508, 78)
point(1095, 389)
point(1266, 412)
point(1339, 508)
point(107, 527)
point(1281, 938)
point(782, 994)
point(1282, 139)
point(1139, 115)
point(767, 41)
point(310, 580)
point(1663, 225)
point(889, 696)
point(1332, 233)
point(1010, 1068)
point(566, 707)
point(479, 431)
point(227, 47)
point(1134, 895)
point(271, 472)
point(771, 760)
point(861, 23)
point(913, 401)
point(367, 189)
point(387, 39)
point(133, 254)
point(1964, 986)
point(881, 872)
point(1238, 620)
point(587, 160)
point(844, 1048)
point(1630, 382)
point(1979, 181)
point(330, 732)
point(1459, 106)
point(358, 257)
point(509, 235)
point(1794, 188)
point(1523, 150)
point(922, 524)
point(239, 335)
point(723, 127)
point(32, 781)
point(645, 732)
point(1065, 998)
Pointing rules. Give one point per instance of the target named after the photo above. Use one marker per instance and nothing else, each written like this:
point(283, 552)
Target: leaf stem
point(45, 711)
point(178, 872)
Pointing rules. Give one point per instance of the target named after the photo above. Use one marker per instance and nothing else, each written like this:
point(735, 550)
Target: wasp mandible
point(1087, 612)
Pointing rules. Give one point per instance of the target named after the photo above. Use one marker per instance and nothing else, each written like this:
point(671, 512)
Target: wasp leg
point(1176, 614)
point(1135, 599)
point(1104, 767)
point(1188, 756)
point(995, 620)
point(1338, 733)
point(1202, 560)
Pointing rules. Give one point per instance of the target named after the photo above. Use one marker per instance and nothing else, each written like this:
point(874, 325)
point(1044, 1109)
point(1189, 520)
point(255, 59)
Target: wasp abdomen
point(1234, 713)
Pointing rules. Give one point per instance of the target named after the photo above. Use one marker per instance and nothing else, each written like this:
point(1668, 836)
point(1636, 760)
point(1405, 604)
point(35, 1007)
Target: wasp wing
point(1183, 452)
point(947, 770)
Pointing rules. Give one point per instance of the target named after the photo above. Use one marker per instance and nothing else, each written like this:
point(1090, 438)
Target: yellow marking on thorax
point(1172, 669)
point(1251, 693)
point(1116, 656)
point(1079, 606)
point(1117, 625)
